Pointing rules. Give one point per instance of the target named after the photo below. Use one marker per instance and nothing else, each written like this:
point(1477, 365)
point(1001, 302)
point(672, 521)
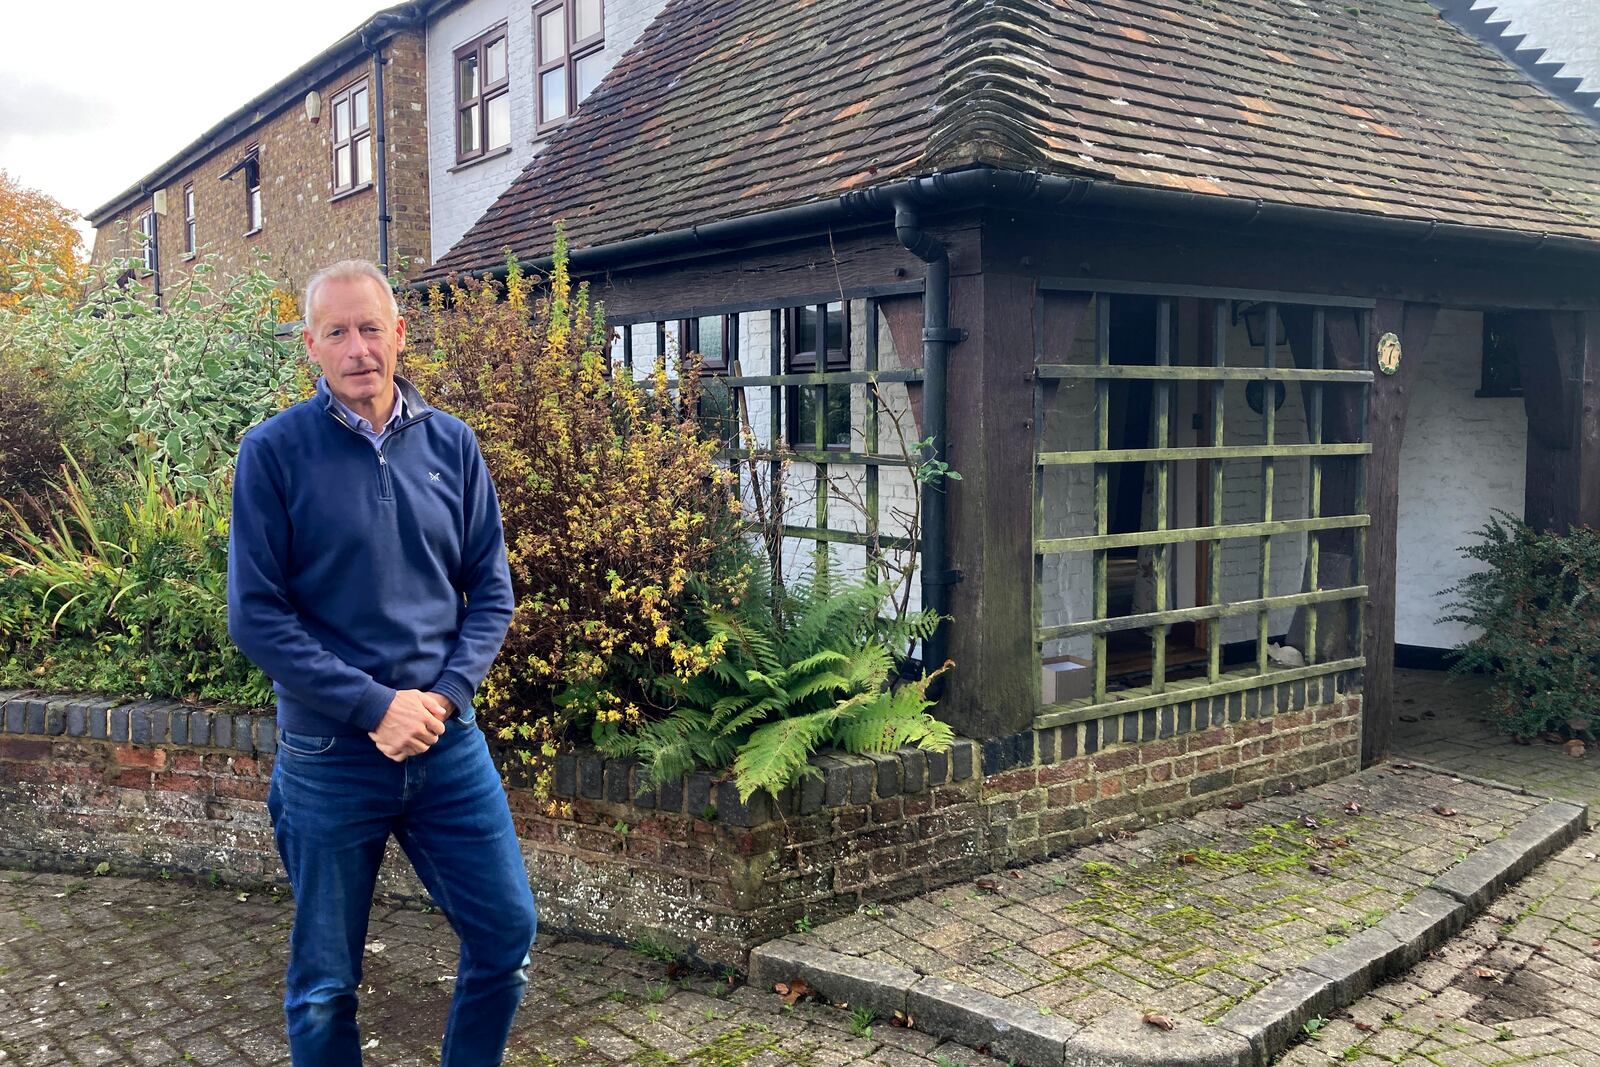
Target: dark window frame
point(819, 358)
point(477, 49)
point(574, 51)
point(345, 98)
point(1500, 366)
point(190, 230)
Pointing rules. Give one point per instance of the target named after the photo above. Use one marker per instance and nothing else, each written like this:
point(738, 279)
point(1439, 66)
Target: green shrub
point(1538, 604)
point(178, 383)
point(33, 424)
point(612, 501)
point(797, 669)
point(116, 585)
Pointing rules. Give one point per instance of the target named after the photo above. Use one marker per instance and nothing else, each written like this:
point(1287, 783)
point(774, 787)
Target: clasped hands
point(414, 721)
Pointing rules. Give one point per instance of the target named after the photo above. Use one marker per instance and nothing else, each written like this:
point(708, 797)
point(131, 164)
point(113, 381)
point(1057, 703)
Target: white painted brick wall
point(1462, 458)
point(1569, 31)
point(459, 197)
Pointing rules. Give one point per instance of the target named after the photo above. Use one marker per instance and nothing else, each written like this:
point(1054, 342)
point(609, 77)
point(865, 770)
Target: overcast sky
point(96, 94)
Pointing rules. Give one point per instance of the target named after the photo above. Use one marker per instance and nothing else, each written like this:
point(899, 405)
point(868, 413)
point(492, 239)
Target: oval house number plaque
point(1389, 353)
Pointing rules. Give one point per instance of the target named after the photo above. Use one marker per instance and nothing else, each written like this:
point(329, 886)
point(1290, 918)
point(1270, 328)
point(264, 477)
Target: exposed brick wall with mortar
point(150, 785)
point(303, 226)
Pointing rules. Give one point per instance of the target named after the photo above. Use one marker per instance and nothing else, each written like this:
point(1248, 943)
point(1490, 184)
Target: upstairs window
point(189, 241)
point(252, 194)
point(569, 41)
point(352, 139)
point(147, 239)
point(483, 99)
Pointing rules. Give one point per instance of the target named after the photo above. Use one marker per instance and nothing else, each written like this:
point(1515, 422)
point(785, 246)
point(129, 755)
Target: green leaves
point(1536, 606)
point(802, 669)
point(181, 381)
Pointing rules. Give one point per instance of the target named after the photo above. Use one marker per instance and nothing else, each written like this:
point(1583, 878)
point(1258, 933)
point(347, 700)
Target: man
point(367, 577)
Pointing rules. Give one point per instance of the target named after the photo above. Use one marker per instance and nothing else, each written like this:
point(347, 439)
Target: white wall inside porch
point(1462, 458)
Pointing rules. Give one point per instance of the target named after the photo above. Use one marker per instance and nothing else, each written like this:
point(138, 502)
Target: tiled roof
point(726, 108)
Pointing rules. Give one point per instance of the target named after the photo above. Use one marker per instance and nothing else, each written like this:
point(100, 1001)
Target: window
point(819, 341)
point(252, 193)
point(1502, 367)
point(483, 102)
point(352, 139)
point(147, 239)
point(189, 242)
point(570, 39)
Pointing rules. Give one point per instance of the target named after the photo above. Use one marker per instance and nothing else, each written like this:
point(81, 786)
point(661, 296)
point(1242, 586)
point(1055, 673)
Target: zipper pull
point(381, 461)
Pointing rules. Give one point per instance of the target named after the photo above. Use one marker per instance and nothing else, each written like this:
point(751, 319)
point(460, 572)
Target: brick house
point(270, 179)
point(306, 192)
point(1163, 281)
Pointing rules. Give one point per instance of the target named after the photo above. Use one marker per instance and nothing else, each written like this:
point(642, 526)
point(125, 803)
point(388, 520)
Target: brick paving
point(1189, 918)
point(1521, 985)
point(108, 970)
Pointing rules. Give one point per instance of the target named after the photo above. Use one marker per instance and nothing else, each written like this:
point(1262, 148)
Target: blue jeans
point(334, 802)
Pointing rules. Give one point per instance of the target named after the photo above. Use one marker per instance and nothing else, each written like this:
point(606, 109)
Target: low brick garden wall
point(152, 785)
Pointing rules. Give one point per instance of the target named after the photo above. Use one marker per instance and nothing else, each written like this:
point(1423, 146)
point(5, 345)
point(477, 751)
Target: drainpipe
point(937, 336)
point(381, 164)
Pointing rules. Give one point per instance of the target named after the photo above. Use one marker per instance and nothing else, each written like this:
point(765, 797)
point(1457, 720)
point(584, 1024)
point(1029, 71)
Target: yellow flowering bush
point(613, 502)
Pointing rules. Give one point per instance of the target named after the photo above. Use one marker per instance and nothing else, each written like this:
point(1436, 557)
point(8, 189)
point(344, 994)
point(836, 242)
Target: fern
point(804, 667)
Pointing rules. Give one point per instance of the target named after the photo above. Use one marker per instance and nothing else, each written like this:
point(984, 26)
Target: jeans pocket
point(304, 744)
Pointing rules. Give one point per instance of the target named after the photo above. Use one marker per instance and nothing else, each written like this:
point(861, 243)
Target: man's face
point(354, 335)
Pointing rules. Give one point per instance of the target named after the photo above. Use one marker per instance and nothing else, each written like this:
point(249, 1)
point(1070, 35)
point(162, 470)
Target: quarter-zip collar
point(415, 409)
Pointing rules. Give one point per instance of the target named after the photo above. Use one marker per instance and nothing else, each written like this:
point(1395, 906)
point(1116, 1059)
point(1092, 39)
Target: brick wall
point(151, 786)
point(303, 226)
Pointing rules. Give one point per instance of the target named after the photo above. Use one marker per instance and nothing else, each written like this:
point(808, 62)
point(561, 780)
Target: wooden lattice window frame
point(1165, 376)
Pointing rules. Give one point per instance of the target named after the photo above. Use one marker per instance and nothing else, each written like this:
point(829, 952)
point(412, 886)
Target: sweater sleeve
point(485, 581)
point(262, 619)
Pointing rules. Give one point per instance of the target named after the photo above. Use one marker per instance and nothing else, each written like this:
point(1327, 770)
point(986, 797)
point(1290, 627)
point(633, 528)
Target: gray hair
point(347, 270)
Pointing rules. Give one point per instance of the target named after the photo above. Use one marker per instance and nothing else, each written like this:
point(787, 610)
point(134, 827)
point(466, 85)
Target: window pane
point(466, 77)
point(188, 203)
point(499, 134)
point(494, 62)
point(341, 167)
point(553, 95)
point(589, 70)
point(839, 415)
point(805, 418)
point(359, 118)
point(587, 20)
point(717, 415)
point(552, 35)
point(467, 130)
point(363, 160)
point(188, 236)
point(254, 206)
point(835, 327)
point(805, 334)
point(341, 120)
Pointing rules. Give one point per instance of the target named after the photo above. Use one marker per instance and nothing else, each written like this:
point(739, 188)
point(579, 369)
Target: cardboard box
point(1066, 678)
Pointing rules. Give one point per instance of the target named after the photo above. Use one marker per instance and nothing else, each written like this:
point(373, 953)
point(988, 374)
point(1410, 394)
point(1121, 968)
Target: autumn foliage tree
point(39, 243)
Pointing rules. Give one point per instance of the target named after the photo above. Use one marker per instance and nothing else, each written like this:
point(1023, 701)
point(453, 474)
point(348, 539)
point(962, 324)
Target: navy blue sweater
point(355, 572)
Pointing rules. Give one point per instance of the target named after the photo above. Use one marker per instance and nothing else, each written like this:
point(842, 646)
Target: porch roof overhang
point(986, 186)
